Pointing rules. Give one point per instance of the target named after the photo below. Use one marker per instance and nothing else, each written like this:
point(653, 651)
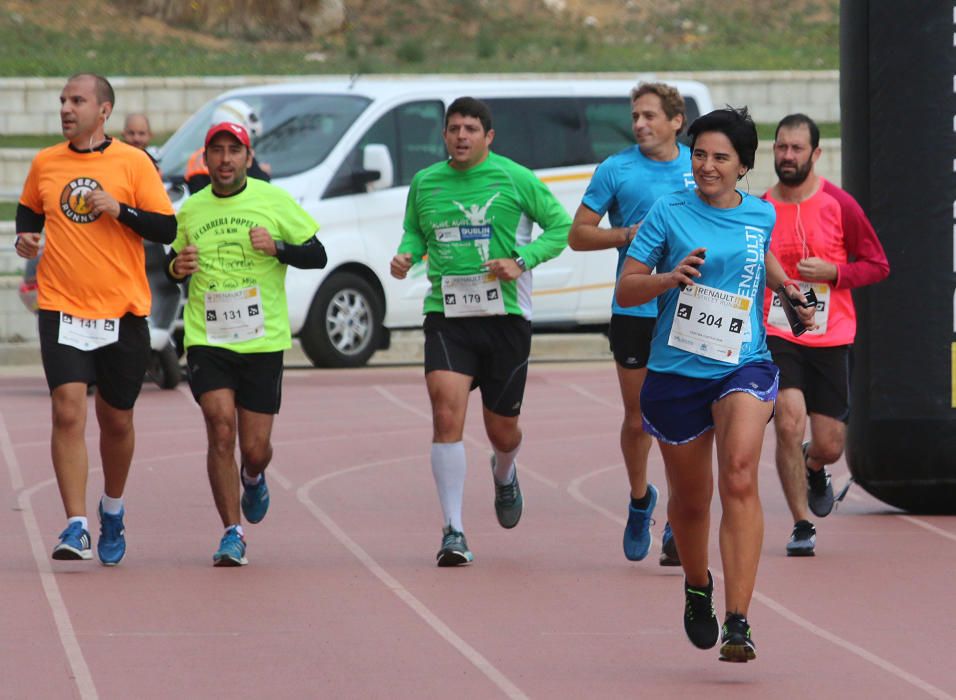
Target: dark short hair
point(793, 121)
point(671, 101)
point(103, 89)
point(470, 107)
point(734, 123)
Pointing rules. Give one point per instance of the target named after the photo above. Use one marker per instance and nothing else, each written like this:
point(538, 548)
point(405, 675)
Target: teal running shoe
point(454, 549)
point(232, 550)
point(255, 500)
point(509, 502)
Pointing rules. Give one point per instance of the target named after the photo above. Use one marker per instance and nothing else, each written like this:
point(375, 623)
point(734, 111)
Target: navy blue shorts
point(677, 409)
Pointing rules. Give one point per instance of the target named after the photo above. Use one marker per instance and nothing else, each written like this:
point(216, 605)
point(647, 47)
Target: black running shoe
point(819, 488)
point(700, 619)
point(735, 642)
point(803, 540)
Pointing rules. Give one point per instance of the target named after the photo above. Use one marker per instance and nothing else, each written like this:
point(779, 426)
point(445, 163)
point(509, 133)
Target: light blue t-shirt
point(736, 240)
point(625, 186)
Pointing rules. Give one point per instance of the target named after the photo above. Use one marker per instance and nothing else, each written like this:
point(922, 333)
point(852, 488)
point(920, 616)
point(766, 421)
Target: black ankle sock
point(641, 503)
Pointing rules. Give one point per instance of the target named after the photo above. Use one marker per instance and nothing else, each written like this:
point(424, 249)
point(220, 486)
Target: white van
point(347, 152)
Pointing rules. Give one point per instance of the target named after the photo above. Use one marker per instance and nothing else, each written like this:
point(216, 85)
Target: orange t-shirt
point(92, 266)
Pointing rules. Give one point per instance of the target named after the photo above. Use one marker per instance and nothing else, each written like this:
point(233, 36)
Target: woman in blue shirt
point(710, 378)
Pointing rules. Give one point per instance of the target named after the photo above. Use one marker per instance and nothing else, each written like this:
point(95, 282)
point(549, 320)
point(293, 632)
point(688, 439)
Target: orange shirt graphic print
point(73, 200)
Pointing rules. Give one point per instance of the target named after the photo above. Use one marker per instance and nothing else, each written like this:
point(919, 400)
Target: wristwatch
point(521, 263)
point(280, 248)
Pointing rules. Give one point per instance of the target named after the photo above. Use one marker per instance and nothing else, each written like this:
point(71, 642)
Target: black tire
point(344, 325)
point(163, 367)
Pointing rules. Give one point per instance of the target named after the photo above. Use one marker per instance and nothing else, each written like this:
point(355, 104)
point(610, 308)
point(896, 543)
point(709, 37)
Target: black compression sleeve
point(158, 228)
point(308, 256)
point(28, 221)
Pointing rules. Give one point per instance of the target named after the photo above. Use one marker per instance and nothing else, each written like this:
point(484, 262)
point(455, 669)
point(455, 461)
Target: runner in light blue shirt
point(624, 187)
point(710, 381)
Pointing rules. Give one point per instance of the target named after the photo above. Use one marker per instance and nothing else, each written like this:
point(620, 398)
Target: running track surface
point(341, 598)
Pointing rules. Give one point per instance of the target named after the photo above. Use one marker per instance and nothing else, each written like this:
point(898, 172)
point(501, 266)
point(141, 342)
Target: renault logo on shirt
point(73, 200)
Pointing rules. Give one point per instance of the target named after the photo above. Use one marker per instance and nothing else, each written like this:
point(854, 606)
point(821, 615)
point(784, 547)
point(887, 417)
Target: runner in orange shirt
point(97, 199)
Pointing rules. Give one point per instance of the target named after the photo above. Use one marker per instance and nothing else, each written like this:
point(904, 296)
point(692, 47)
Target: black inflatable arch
point(898, 102)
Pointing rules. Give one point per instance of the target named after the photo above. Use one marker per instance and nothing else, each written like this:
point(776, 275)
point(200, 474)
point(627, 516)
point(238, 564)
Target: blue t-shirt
point(625, 186)
point(736, 240)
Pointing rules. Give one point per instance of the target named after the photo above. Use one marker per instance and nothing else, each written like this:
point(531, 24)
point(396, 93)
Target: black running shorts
point(116, 369)
point(822, 374)
point(255, 377)
point(630, 338)
point(493, 350)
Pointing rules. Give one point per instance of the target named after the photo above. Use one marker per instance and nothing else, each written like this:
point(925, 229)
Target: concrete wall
point(29, 105)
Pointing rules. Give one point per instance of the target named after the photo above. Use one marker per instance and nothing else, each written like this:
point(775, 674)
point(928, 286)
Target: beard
point(795, 177)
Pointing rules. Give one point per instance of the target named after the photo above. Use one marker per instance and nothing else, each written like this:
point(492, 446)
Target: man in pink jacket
point(825, 243)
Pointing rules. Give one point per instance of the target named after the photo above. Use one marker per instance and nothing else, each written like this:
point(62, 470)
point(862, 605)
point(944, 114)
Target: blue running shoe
point(232, 550)
point(669, 555)
point(74, 544)
point(637, 534)
point(255, 500)
point(111, 546)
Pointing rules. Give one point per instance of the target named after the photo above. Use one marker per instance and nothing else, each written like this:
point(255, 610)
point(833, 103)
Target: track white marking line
point(782, 610)
point(909, 518)
point(594, 397)
point(61, 616)
point(474, 442)
point(472, 655)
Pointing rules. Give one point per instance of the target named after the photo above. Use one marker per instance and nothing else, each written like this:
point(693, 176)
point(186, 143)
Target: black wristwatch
point(521, 263)
point(280, 248)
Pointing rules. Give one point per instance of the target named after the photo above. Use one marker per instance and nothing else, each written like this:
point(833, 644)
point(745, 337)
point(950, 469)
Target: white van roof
point(505, 85)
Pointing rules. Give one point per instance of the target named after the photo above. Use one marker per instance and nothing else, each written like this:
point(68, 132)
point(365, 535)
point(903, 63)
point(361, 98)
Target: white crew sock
point(505, 465)
point(249, 480)
point(238, 528)
point(113, 506)
point(81, 519)
point(448, 468)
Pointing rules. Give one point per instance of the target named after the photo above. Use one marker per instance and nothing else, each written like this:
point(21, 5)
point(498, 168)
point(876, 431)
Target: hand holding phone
point(789, 306)
point(702, 254)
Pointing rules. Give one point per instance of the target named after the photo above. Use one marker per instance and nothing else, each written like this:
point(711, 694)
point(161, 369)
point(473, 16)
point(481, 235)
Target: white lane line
point(782, 610)
point(574, 488)
point(594, 397)
point(474, 442)
point(471, 654)
point(910, 519)
point(928, 526)
point(61, 616)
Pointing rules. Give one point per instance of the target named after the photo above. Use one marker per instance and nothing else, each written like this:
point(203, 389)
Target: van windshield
point(296, 131)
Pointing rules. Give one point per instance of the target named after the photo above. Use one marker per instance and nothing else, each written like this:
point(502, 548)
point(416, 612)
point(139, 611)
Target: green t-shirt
point(462, 219)
point(230, 269)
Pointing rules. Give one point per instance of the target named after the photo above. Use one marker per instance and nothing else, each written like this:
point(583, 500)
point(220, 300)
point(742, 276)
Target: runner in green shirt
point(236, 239)
point(472, 215)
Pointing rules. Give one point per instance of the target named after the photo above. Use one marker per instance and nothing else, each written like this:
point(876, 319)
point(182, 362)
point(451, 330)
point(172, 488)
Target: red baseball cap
point(236, 130)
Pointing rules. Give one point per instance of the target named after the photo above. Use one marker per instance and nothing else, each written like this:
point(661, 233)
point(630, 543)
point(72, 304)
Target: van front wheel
point(344, 325)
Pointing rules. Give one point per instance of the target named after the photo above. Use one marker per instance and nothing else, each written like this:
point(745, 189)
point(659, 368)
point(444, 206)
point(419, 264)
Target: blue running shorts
point(677, 409)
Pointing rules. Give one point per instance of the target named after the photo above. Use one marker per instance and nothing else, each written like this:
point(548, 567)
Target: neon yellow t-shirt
point(239, 290)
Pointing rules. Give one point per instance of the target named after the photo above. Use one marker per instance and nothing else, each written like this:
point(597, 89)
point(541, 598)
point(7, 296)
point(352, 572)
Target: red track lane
point(342, 599)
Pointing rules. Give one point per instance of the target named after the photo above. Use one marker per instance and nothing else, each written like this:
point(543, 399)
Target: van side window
point(420, 126)
point(413, 135)
point(609, 125)
point(540, 132)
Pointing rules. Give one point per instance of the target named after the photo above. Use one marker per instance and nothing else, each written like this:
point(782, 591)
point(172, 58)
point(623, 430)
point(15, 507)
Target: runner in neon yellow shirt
point(236, 238)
